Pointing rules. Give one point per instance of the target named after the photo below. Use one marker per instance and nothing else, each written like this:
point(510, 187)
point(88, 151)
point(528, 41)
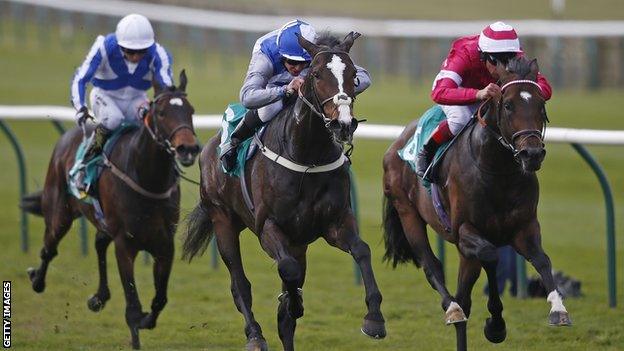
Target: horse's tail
point(31, 203)
point(199, 231)
point(398, 249)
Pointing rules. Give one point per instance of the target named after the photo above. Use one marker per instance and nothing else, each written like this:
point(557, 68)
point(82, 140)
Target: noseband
point(338, 99)
point(165, 143)
point(526, 133)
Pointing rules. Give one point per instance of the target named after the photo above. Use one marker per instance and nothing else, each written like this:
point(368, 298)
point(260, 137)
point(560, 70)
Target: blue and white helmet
point(287, 43)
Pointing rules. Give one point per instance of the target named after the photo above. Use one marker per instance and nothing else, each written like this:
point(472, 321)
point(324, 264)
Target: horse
point(489, 188)
point(139, 195)
point(304, 197)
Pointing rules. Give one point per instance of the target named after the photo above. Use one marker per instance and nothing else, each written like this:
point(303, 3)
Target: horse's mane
point(327, 39)
point(520, 66)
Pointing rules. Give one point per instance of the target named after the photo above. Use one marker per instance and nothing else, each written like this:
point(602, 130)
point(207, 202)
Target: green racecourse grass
point(200, 313)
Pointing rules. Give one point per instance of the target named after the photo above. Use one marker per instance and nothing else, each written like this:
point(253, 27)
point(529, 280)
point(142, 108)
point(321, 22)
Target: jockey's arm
point(85, 73)
point(255, 93)
point(446, 91)
point(161, 66)
point(362, 80)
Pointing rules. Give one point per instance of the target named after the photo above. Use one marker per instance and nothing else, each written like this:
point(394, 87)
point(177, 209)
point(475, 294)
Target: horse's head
point(170, 121)
point(330, 85)
point(521, 116)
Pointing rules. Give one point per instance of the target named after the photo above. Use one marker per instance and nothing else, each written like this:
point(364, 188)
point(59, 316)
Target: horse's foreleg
point(57, 223)
point(528, 244)
point(475, 247)
point(469, 270)
point(275, 243)
point(98, 300)
point(285, 322)
point(163, 260)
point(229, 249)
point(125, 255)
point(347, 239)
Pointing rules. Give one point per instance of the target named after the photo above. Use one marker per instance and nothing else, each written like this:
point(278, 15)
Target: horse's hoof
point(559, 319)
point(38, 284)
point(95, 304)
point(495, 332)
point(374, 329)
point(454, 314)
point(256, 344)
point(147, 322)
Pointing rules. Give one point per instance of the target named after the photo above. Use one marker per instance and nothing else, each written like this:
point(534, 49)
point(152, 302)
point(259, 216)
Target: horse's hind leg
point(57, 223)
point(163, 260)
point(528, 244)
point(126, 255)
point(98, 300)
point(229, 249)
point(292, 273)
point(347, 239)
point(472, 246)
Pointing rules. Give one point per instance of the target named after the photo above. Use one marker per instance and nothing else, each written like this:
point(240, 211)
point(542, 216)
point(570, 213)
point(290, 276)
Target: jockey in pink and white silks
point(276, 71)
point(467, 77)
point(120, 66)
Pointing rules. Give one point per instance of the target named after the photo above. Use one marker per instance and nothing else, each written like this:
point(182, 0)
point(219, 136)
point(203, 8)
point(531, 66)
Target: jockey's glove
point(82, 115)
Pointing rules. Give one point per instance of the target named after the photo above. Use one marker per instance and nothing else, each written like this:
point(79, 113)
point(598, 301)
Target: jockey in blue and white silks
point(276, 71)
point(120, 66)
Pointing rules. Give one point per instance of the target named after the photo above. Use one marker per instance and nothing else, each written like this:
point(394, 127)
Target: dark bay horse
point(294, 206)
point(141, 213)
point(489, 188)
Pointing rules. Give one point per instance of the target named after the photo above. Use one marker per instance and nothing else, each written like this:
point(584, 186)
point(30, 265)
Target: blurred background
point(579, 46)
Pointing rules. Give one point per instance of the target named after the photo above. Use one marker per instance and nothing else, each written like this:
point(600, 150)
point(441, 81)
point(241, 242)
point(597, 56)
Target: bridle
point(526, 133)
point(165, 143)
point(338, 99)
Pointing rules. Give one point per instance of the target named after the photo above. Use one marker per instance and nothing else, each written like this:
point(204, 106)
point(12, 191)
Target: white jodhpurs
point(458, 115)
point(110, 112)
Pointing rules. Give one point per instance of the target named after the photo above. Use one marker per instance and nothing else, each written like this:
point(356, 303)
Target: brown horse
point(141, 211)
point(489, 188)
point(292, 205)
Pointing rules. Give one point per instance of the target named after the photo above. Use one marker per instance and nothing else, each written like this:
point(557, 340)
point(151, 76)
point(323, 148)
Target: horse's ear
point(501, 70)
point(183, 81)
point(348, 41)
point(309, 46)
point(534, 69)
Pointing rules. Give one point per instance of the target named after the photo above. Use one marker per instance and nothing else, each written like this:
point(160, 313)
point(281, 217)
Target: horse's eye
point(508, 106)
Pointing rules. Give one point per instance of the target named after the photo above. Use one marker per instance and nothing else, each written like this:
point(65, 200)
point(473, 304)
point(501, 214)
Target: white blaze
point(337, 67)
point(176, 101)
point(525, 95)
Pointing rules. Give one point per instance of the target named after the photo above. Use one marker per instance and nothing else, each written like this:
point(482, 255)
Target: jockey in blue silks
point(120, 66)
point(276, 71)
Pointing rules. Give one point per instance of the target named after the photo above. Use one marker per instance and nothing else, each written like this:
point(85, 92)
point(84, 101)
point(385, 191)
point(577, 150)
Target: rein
point(527, 133)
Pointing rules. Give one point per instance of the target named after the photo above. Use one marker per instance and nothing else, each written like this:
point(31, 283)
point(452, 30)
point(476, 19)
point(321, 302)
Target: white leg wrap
point(556, 302)
point(453, 307)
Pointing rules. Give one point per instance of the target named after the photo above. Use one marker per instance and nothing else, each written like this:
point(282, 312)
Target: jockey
point(276, 71)
point(121, 67)
point(467, 77)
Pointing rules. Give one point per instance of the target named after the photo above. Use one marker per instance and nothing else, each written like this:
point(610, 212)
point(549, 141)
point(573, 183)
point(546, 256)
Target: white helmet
point(499, 37)
point(135, 32)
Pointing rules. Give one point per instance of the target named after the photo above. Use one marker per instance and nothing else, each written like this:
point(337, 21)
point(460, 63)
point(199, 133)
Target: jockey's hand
point(294, 85)
point(491, 91)
point(82, 115)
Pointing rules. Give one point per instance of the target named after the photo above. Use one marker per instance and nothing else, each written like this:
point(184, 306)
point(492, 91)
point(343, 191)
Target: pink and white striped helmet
point(499, 37)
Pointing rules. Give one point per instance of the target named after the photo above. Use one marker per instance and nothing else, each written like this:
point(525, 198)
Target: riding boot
point(440, 135)
point(245, 129)
point(101, 135)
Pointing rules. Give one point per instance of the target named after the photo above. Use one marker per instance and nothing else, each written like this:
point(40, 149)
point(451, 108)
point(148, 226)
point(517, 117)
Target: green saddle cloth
point(232, 116)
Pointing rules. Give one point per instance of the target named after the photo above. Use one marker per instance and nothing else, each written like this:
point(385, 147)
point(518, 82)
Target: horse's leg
point(275, 243)
point(98, 300)
point(416, 233)
point(57, 223)
point(469, 270)
point(126, 254)
point(473, 246)
point(528, 243)
point(286, 324)
point(346, 238)
point(229, 249)
point(163, 260)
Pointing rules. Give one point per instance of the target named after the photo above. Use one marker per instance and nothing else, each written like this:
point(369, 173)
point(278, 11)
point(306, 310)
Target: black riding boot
point(243, 131)
point(101, 135)
point(425, 156)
